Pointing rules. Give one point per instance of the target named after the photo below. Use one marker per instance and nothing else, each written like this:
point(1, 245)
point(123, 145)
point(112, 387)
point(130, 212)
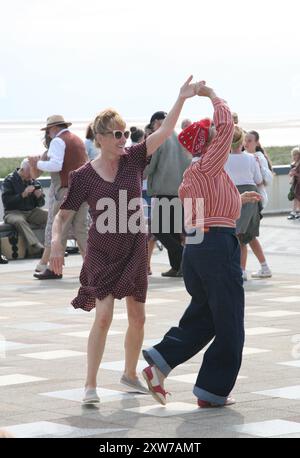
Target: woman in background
point(295, 183)
point(90, 147)
point(245, 173)
point(136, 135)
point(253, 146)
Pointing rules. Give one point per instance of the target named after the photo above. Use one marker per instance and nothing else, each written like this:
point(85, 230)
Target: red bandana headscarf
point(195, 137)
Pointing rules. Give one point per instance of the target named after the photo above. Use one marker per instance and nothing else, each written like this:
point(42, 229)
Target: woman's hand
point(250, 197)
point(165, 130)
point(57, 257)
point(188, 89)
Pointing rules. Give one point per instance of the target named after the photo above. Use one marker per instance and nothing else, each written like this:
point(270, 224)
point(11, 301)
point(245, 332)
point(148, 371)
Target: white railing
point(277, 192)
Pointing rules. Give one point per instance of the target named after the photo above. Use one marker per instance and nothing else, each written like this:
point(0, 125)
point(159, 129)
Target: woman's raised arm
point(156, 139)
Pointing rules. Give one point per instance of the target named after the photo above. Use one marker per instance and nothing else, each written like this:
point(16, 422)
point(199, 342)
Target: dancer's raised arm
point(160, 135)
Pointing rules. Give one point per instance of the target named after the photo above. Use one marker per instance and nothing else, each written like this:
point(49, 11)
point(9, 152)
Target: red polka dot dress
point(115, 262)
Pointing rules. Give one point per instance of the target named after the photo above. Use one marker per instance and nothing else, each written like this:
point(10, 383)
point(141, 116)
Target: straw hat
point(55, 120)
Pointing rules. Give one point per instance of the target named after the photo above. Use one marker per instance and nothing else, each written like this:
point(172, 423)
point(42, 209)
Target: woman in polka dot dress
point(115, 265)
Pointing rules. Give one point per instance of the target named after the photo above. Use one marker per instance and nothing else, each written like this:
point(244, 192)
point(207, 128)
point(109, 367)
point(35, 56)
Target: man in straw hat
point(66, 153)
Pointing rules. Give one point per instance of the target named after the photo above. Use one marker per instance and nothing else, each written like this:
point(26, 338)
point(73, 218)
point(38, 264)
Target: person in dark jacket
point(164, 175)
point(22, 198)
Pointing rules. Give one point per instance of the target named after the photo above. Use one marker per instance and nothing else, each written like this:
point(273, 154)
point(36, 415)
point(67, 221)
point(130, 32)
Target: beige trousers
point(22, 221)
point(78, 225)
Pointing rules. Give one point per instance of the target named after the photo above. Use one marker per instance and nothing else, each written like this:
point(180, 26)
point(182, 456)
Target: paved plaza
point(43, 356)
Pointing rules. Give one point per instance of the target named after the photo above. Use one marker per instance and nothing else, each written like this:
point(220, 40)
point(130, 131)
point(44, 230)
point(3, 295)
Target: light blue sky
point(77, 57)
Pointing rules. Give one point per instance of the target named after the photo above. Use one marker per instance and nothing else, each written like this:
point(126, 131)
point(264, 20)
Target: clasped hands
point(199, 88)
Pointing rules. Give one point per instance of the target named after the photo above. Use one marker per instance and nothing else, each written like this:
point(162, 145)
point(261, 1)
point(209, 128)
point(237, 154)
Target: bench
point(10, 232)
point(7, 230)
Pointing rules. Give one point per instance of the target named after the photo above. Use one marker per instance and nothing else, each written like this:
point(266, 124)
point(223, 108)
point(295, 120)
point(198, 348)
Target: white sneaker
point(90, 396)
point(245, 278)
point(262, 273)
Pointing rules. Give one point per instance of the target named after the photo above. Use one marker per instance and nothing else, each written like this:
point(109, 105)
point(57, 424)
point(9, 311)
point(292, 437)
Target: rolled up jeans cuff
point(209, 397)
point(153, 357)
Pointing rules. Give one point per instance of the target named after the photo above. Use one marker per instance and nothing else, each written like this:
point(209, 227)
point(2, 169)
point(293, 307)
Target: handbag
point(291, 194)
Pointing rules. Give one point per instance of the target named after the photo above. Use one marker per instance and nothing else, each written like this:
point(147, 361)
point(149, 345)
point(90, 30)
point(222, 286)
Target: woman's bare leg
point(97, 338)
point(134, 336)
point(257, 250)
point(264, 271)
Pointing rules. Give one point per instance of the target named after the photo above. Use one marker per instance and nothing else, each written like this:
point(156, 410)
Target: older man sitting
point(22, 198)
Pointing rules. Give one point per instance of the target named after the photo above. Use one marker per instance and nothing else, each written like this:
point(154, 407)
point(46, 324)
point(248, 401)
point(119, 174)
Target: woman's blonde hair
point(107, 120)
point(295, 151)
point(238, 138)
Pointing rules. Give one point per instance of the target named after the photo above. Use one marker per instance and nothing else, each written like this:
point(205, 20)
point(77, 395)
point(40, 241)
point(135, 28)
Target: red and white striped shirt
point(206, 178)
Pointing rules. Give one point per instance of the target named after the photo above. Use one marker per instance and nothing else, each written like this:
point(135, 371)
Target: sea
point(24, 138)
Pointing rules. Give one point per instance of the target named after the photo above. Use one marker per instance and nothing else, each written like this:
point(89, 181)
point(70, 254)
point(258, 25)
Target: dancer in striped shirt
point(211, 269)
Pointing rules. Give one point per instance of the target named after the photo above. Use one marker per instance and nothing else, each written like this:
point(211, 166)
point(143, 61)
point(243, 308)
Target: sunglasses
point(118, 134)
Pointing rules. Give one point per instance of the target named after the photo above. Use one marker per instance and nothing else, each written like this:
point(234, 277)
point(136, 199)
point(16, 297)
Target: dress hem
point(86, 308)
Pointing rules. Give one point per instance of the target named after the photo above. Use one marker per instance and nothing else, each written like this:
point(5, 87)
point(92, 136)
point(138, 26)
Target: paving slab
point(43, 355)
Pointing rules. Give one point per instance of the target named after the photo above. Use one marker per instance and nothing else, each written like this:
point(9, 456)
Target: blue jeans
point(213, 278)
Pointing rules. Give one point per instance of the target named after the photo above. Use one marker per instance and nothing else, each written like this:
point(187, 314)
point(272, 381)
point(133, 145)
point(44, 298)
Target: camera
point(37, 186)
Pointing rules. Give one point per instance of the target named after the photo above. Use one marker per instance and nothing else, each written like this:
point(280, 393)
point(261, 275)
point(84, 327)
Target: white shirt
point(267, 174)
point(267, 177)
point(243, 168)
point(56, 155)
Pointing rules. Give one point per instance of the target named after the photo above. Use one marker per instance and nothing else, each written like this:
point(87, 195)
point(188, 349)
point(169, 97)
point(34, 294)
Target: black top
point(12, 189)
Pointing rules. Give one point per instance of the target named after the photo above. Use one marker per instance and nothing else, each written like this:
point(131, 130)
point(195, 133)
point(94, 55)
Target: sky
point(78, 57)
